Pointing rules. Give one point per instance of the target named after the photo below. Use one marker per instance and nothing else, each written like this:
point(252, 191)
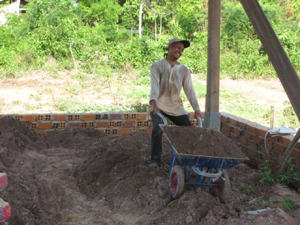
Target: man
point(168, 77)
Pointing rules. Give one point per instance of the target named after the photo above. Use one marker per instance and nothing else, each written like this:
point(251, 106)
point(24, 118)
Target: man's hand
point(197, 113)
point(154, 108)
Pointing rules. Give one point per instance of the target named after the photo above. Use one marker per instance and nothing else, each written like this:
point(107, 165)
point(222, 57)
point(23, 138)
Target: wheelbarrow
point(202, 170)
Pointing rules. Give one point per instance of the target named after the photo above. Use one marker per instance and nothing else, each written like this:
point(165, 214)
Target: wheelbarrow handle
point(200, 121)
point(165, 120)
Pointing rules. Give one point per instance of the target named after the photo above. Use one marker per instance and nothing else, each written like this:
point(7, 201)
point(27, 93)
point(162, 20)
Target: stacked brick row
point(106, 123)
point(257, 142)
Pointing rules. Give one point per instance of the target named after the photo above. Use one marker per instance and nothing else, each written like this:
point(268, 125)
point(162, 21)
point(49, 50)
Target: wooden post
point(281, 62)
point(286, 155)
point(213, 64)
point(272, 117)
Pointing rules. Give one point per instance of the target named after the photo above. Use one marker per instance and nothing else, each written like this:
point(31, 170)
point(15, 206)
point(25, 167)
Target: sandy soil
point(39, 91)
point(80, 177)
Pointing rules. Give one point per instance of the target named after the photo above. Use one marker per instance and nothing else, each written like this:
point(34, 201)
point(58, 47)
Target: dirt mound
point(81, 177)
point(201, 141)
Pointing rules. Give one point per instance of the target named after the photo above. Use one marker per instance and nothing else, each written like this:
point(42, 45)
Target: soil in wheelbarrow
point(81, 177)
point(201, 141)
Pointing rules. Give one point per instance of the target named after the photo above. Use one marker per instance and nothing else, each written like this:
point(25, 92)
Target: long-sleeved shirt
point(166, 85)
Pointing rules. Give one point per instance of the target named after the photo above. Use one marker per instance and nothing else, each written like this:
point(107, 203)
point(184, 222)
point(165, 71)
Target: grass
point(129, 91)
point(71, 105)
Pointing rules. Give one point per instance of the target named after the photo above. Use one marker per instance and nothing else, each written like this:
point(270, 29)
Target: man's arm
point(155, 79)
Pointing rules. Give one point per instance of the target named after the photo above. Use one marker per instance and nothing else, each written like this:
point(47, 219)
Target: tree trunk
point(140, 22)
point(155, 28)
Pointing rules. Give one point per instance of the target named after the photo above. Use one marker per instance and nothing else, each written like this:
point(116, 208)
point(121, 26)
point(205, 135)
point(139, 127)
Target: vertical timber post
point(212, 115)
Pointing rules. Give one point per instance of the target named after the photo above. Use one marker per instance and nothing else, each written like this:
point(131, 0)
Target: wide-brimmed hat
point(185, 43)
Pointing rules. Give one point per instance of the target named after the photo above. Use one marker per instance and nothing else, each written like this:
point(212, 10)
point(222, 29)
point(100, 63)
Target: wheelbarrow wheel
point(221, 187)
point(176, 182)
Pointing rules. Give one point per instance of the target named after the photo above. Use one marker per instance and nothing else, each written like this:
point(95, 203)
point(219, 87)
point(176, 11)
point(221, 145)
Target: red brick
point(74, 124)
point(86, 117)
point(225, 133)
point(111, 124)
point(59, 117)
point(29, 118)
point(149, 130)
point(108, 132)
point(258, 140)
point(115, 131)
point(232, 122)
point(237, 131)
point(42, 132)
point(101, 124)
point(269, 143)
point(247, 135)
point(252, 145)
point(281, 148)
point(276, 155)
point(142, 116)
point(261, 132)
point(243, 141)
point(40, 117)
point(124, 130)
point(101, 131)
point(119, 124)
point(234, 138)
point(129, 123)
point(223, 119)
point(227, 127)
point(286, 140)
point(116, 116)
point(297, 146)
point(266, 157)
point(134, 116)
point(294, 153)
point(251, 153)
point(274, 138)
point(2, 116)
point(45, 125)
point(251, 129)
point(242, 125)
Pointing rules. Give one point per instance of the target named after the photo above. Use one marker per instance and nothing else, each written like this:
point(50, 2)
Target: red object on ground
point(5, 211)
point(3, 181)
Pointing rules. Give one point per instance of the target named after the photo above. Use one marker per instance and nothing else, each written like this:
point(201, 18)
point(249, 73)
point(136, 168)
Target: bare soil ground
point(39, 91)
point(81, 177)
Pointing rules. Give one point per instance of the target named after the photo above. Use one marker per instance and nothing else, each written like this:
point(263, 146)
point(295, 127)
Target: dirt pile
point(81, 177)
point(201, 141)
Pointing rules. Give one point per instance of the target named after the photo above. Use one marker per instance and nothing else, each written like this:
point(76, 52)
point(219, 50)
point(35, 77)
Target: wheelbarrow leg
point(172, 164)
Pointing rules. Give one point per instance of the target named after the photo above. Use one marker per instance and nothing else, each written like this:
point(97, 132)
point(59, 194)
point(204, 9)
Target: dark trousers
point(156, 139)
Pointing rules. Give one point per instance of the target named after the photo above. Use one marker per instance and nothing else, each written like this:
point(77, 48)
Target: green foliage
point(250, 190)
point(266, 179)
point(76, 106)
point(289, 203)
point(287, 176)
point(97, 34)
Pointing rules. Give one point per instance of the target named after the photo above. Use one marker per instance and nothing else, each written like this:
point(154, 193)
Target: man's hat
point(185, 43)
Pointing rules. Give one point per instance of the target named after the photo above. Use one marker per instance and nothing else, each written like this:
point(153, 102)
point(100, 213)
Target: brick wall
point(251, 137)
point(256, 142)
